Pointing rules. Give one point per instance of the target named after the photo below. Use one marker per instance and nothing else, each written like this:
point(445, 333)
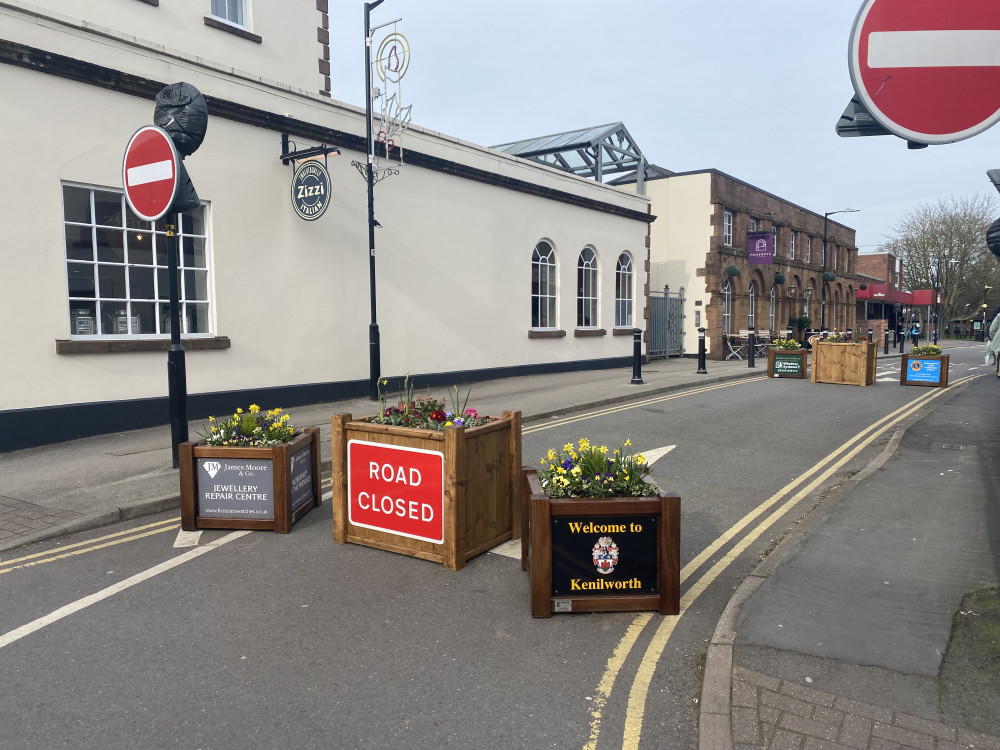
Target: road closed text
point(396, 490)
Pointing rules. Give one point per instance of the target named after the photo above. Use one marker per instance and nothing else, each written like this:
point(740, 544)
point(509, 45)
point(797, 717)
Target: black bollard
point(701, 353)
point(871, 334)
point(886, 350)
point(751, 348)
point(636, 356)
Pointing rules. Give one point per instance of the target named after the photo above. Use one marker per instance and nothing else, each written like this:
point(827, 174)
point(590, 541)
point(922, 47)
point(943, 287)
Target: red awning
point(884, 293)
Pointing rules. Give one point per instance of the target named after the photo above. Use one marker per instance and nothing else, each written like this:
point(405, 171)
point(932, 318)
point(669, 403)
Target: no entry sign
point(149, 172)
point(928, 71)
point(397, 490)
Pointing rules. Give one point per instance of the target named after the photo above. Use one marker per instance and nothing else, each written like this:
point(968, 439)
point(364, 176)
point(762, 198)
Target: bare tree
point(943, 245)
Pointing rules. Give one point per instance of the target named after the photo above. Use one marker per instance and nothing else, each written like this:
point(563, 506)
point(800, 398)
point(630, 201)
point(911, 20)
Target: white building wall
point(287, 55)
point(680, 238)
point(453, 255)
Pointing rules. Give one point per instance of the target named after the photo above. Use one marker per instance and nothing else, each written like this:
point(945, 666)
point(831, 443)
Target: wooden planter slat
point(480, 486)
point(279, 456)
point(844, 363)
point(940, 382)
point(539, 550)
point(802, 354)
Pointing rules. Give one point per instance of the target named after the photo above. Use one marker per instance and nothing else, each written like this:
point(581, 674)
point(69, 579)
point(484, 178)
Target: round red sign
point(928, 71)
point(149, 172)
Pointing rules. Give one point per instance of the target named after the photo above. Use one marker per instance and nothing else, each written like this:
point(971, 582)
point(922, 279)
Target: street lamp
point(826, 222)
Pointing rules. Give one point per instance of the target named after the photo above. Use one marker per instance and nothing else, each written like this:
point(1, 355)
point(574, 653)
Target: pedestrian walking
point(993, 343)
point(934, 336)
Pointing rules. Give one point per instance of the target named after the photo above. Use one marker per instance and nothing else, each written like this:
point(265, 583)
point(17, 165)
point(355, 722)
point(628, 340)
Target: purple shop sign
point(760, 247)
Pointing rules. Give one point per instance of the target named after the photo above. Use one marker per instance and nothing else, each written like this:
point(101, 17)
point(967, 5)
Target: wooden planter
point(787, 363)
point(441, 496)
point(562, 552)
point(924, 369)
point(249, 488)
point(849, 364)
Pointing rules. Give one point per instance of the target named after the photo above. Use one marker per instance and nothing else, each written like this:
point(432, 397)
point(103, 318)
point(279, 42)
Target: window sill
point(583, 332)
point(547, 334)
point(223, 26)
point(64, 346)
point(622, 332)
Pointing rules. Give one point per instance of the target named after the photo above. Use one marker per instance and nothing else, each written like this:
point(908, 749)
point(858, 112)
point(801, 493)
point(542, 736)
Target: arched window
point(751, 304)
point(586, 289)
point(543, 286)
point(623, 291)
point(727, 308)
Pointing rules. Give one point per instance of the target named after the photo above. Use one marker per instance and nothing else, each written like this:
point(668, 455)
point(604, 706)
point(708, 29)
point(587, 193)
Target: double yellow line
point(40, 558)
point(821, 471)
point(91, 545)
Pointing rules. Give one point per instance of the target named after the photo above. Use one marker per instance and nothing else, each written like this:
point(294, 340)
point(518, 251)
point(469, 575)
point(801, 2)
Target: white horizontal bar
point(934, 49)
point(158, 170)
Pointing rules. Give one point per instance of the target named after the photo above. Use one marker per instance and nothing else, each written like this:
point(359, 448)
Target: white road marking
point(657, 453)
point(934, 49)
point(15, 635)
point(187, 539)
point(146, 173)
point(510, 548)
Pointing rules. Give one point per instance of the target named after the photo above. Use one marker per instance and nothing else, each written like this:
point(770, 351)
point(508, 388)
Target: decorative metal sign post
point(393, 61)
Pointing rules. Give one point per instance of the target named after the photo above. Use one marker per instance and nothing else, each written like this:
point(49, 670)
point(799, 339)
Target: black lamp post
point(374, 357)
point(826, 223)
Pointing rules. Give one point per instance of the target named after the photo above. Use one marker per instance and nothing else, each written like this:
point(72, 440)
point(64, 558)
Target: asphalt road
point(269, 640)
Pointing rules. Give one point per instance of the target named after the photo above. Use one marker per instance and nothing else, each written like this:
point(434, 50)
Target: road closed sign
point(395, 489)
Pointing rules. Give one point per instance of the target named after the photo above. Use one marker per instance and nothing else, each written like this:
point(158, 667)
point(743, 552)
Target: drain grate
point(953, 446)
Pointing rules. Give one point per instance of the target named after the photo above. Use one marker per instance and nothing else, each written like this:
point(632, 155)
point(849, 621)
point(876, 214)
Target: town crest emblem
point(605, 554)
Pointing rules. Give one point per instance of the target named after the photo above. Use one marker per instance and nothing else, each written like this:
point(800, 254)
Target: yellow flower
point(568, 447)
point(551, 455)
point(576, 471)
point(604, 450)
point(584, 444)
point(239, 410)
point(561, 470)
point(254, 409)
point(627, 442)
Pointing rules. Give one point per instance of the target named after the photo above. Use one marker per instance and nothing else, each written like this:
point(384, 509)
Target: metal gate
point(666, 323)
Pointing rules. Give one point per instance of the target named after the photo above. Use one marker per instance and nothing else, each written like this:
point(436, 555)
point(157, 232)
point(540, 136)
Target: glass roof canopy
point(596, 152)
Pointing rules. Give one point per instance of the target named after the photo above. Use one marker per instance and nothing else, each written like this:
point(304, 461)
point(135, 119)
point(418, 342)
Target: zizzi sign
point(310, 190)
point(595, 555)
point(397, 490)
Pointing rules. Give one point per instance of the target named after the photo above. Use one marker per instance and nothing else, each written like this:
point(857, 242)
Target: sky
point(752, 88)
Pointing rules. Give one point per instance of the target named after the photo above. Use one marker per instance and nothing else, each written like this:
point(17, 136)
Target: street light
point(826, 222)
